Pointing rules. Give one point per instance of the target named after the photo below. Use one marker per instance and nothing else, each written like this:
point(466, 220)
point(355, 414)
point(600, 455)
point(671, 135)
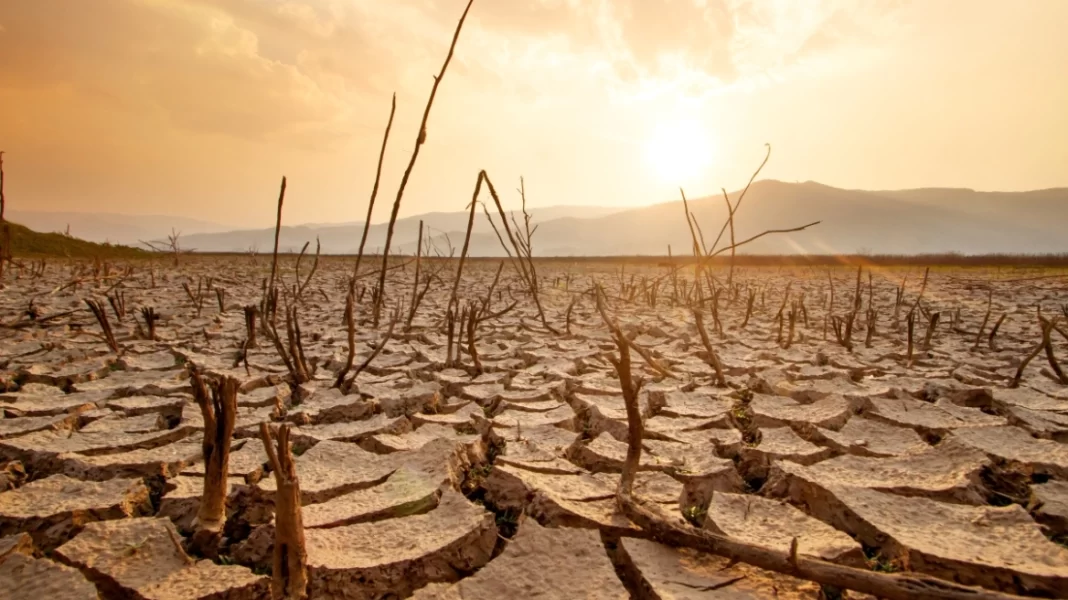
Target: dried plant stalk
point(277, 233)
point(3, 200)
point(148, 313)
point(932, 324)
point(1046, 344)
point(301, 286)
point(118, 304)
point(986, 319)
point(350, 330)
point(910, 320)
point(994, 331)
point(630, 387)
point(467, 242)
point(524, 260)
point(712, 358)
point(291, 353)
point(416, 296)
point(472, 327)
point(250, 325)
point(102, 318)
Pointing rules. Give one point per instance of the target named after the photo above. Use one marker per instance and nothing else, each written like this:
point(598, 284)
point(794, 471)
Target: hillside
point(112, 228)
point(28, 243)
point(887, 222)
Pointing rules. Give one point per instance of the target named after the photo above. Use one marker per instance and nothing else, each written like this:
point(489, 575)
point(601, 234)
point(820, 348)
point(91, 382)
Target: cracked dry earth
point(430, 480)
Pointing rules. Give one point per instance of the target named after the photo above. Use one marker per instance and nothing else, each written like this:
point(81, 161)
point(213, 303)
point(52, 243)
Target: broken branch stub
point(289, 575)
point(217, 399)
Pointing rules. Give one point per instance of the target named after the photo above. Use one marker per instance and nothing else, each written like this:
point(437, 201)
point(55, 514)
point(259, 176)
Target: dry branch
point(645, 354)
point(524, 260)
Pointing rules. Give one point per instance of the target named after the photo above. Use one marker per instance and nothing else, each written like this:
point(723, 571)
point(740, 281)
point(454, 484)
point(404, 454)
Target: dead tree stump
point(220, 413)
point(289, 580)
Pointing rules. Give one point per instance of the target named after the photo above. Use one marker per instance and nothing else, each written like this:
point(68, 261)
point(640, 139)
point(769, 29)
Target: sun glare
point(679, 151)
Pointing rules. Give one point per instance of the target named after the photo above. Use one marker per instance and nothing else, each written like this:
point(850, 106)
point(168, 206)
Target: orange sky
point(197, 107)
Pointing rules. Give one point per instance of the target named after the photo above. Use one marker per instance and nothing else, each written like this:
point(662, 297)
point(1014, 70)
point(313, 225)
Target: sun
point(679, 151)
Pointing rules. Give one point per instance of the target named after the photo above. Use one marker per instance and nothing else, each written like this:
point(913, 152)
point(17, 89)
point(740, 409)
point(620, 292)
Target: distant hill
point(27, 243)
point(112, 228)
point(917, 221)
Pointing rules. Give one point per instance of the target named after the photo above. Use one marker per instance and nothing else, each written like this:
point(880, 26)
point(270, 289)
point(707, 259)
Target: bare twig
point(277, 233)
point(374, 189)
point(645, 354)
point(315, 265)
point(416, 296)
point(374, 352)
point(419, 141)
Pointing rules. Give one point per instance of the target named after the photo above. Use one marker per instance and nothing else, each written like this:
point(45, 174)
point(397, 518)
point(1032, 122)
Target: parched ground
point(441, 476)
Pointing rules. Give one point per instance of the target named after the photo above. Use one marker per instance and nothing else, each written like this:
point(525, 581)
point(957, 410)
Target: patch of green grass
point(695, 515)
point(881, 564)
point(507, 522)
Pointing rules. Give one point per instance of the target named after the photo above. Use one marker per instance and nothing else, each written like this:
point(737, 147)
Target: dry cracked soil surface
point(436, 475)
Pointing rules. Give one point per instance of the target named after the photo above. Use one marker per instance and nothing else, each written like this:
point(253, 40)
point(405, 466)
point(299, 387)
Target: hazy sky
point(198, 107)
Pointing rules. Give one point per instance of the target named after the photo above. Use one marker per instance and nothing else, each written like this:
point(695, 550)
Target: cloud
point(645, 50)
point(313, 68)
point(196, 64)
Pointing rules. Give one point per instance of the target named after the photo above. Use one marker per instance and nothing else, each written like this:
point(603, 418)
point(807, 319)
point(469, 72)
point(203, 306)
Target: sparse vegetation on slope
point(27, 243)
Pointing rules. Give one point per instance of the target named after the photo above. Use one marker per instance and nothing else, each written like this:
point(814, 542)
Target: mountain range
point(918, 221)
